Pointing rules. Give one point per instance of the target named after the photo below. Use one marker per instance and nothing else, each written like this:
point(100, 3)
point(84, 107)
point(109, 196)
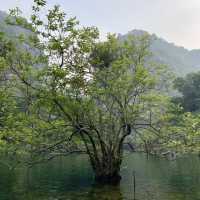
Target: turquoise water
point(71, 178)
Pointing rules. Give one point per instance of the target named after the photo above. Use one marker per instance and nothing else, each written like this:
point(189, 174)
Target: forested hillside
point(179, 59)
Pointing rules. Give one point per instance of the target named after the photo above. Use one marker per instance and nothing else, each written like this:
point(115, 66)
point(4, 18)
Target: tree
point(76, 94)
point(189, 89)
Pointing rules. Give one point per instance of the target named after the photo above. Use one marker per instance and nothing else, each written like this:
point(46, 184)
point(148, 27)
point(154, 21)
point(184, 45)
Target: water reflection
point(71, 178)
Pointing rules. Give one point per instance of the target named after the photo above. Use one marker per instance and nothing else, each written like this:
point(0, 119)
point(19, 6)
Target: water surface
point(71, 178)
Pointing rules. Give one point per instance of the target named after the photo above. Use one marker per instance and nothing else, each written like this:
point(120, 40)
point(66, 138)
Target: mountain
point(180, 60)
point(10, 30)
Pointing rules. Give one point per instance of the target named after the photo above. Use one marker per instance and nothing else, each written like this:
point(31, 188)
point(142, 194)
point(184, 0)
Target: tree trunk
point(112, 178)
point(105, 158)
point(107, 171)
point(107, 174)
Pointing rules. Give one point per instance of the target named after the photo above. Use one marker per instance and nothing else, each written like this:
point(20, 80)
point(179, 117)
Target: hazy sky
point(176, 21)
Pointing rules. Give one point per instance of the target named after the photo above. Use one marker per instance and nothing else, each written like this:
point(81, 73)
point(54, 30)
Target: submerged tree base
point(108, 179)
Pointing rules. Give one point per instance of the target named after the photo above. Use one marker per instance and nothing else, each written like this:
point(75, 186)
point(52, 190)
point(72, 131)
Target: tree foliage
point(189, 89)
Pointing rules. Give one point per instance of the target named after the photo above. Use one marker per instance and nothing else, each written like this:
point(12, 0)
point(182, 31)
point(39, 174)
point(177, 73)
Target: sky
point(177, 21)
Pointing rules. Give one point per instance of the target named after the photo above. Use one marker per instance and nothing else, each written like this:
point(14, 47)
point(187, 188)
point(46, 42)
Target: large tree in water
point(77, 94)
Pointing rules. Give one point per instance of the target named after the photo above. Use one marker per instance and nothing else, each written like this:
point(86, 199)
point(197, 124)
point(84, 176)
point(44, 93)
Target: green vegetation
point(189, 89)
point(180, 60)
point(63, 91)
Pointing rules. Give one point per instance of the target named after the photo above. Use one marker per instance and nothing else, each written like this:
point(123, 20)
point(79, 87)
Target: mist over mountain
point(180, 60)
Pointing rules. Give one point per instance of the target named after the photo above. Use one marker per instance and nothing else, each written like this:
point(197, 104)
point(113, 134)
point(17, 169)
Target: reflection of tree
point(105, 193)
point(71, 186)
point(186, 179)
point(7, 182)
point(61, 178)
point(71, 178)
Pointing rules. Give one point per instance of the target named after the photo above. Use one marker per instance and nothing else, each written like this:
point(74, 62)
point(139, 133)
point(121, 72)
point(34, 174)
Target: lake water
point(71, 178)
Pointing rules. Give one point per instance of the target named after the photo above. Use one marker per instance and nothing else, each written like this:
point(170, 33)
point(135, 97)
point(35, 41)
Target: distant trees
point(189, 88)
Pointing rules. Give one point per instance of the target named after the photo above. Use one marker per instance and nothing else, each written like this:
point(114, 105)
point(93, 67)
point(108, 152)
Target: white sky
point(177, 21)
